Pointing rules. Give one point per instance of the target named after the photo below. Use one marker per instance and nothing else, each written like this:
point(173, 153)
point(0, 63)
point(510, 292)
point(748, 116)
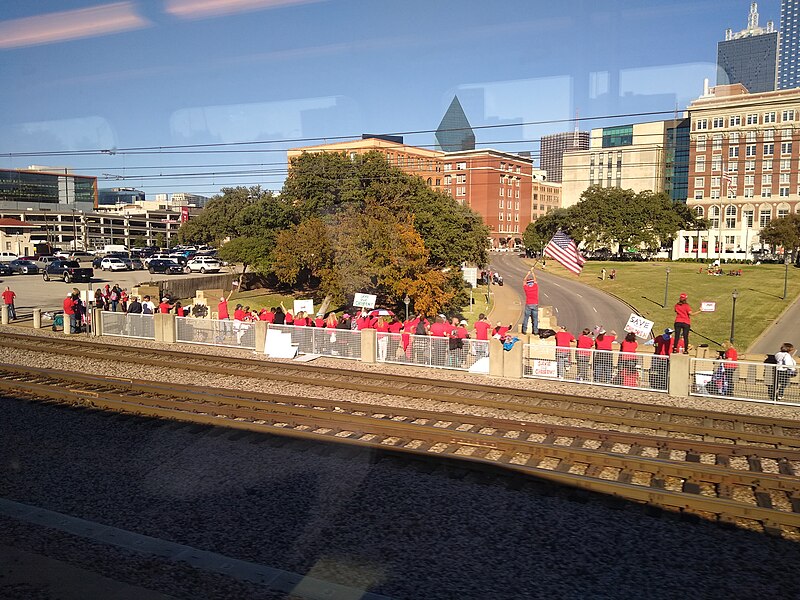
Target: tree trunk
point(323, 308)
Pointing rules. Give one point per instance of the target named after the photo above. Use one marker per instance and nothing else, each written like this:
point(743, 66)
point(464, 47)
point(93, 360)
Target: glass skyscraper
point(788, 73)
point(455, 133)
point(749, 57)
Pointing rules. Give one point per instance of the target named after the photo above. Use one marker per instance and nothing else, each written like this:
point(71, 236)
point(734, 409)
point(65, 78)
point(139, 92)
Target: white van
point(114, 248)
point(8, 256)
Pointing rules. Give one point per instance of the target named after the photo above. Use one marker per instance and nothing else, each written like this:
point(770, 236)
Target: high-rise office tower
point(788, 69)
point(749, 57)
point(455, 133)
point(552, 150)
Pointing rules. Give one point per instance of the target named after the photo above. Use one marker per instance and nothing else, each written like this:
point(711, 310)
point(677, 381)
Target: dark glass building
point(455, 133)
point(552, 151)
point(749, 57)
point(114, 196)
point(788, 69)
point(41, 187)
point(677, 161)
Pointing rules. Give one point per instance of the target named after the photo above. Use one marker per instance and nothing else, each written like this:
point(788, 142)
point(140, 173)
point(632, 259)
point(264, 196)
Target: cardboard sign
point(545, 368)
point(307, 306)
point(279, 344)
point(639, 326)
point(708, 306)
point(364, 300)
point(470, 275)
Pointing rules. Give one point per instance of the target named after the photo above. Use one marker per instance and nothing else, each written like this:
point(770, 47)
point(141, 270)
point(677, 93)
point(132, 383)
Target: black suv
point(161, 265)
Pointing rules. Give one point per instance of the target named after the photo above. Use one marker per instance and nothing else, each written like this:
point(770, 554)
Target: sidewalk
point(507, 306)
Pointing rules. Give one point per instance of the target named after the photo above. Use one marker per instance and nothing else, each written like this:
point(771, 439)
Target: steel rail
point(710, 426)
point(220, 410)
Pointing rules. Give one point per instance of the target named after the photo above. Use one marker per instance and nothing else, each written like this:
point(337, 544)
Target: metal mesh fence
point(336, 343)
point(597, 367)
point(123, 325)
point(743, 380)
point(215, 332)
point(429, 351)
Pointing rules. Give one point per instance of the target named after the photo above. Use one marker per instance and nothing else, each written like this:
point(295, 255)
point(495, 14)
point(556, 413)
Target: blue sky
point(83, 75)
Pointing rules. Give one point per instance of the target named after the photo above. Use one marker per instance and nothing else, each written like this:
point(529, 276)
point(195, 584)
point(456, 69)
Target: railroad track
point(741, 432)
point(676, 474)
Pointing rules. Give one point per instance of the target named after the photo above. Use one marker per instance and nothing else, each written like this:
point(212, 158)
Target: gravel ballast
point(377, 526)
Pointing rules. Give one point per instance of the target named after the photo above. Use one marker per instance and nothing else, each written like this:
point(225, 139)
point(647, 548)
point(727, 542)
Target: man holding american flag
point(564, 249)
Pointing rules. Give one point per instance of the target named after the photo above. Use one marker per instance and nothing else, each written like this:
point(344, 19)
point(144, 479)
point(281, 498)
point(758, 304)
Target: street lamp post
point(406, 301)
point(666, 288)
point(785, 274)
point(734, 296)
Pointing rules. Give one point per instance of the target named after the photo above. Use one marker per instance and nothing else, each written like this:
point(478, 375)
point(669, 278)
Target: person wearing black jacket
point(134, 308)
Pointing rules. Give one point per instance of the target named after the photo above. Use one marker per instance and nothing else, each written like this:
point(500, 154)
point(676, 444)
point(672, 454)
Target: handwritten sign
point(364, 300)
point(639, 326)
point(545, 368)
point(307, 306)
point(708, 306)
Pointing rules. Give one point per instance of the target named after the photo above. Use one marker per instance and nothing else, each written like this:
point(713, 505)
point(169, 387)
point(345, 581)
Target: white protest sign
point(545, 368)
point(279, 344)
point(708, 306)
point(470, 275)
point(639, 325)
point(364, 300)
point(307, 306)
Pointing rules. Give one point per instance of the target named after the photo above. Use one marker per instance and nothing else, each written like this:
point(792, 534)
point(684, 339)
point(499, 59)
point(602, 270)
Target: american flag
point(565, 251)
point(726, 176)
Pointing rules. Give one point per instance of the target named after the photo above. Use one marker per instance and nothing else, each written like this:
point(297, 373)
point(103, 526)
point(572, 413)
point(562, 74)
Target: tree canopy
point(784, 232)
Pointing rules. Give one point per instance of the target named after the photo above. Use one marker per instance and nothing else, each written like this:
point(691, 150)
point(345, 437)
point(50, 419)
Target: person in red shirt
point(300, 319)
point(164, 307)
point(683, 320)
point(440, 328)
point(627, 374)
point(603, 361)
point(664, 342)
point(731, 357)
point(500, 330)
point(482, 328)
point(530, 288)
point(584, 354)
point(563, 340)
point(179, 310)
point(8, 300)
point(69, 311)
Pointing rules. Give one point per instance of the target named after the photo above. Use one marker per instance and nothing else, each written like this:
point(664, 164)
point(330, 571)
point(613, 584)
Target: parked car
point(133, 263)
point(81, 256)
point(156, 256)
point(5, 270)
point(112, 263)
point(8, 256)
point(204, 264)
point(24, 267)
point(42, 261)
point(161, 265)
point(67, 270)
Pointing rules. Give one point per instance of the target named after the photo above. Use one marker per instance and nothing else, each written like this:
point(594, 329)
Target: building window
point(784, 178)
point(701, 143)
point(717, 122)
point(730, 216)
point(699, 164)
point(502, 192)
point(716, 164)
point(461, 166)
point(731, 192)
point(447, 178)
point(460, 191)
point(715, 182)
point(698, 194)
point(769, 135)
point(748, 217)
point(448, 166)
point(699, 182)
point(766, 192)
point(750, 150)
point(713, 216)
point(715, 194)
point(766, 179)
point(501, 204)
point(786, 147)
point(766, 165)
point(769, 149)
point(783, 211)
point(516, 193)
point(716, 142)
point(770, 117)
point(733, 136)
point(735, 120)
point(749, 179)
point(787, 115)
point(461, 179)
point(752, 119)
point(733, 152)
point(733, 181)
point(786, 164)
point(786, 133)
point(764, 217)
point(701, 124)
point(783, 193)
point(748, 193)
point(733, 167)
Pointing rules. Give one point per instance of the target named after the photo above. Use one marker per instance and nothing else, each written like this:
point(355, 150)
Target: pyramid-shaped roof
point(455, 133)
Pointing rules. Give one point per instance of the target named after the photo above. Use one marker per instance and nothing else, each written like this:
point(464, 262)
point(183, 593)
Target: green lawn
point(641, 284)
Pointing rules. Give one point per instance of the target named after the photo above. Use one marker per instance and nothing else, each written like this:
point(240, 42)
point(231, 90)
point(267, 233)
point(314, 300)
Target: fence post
point(679, 375)
point(369, 346)
point(4, 314)
point(37, 318)
point(512, 360)
point(97, 321)
point(164, 327)
point(496, 357)
point(260, 329)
